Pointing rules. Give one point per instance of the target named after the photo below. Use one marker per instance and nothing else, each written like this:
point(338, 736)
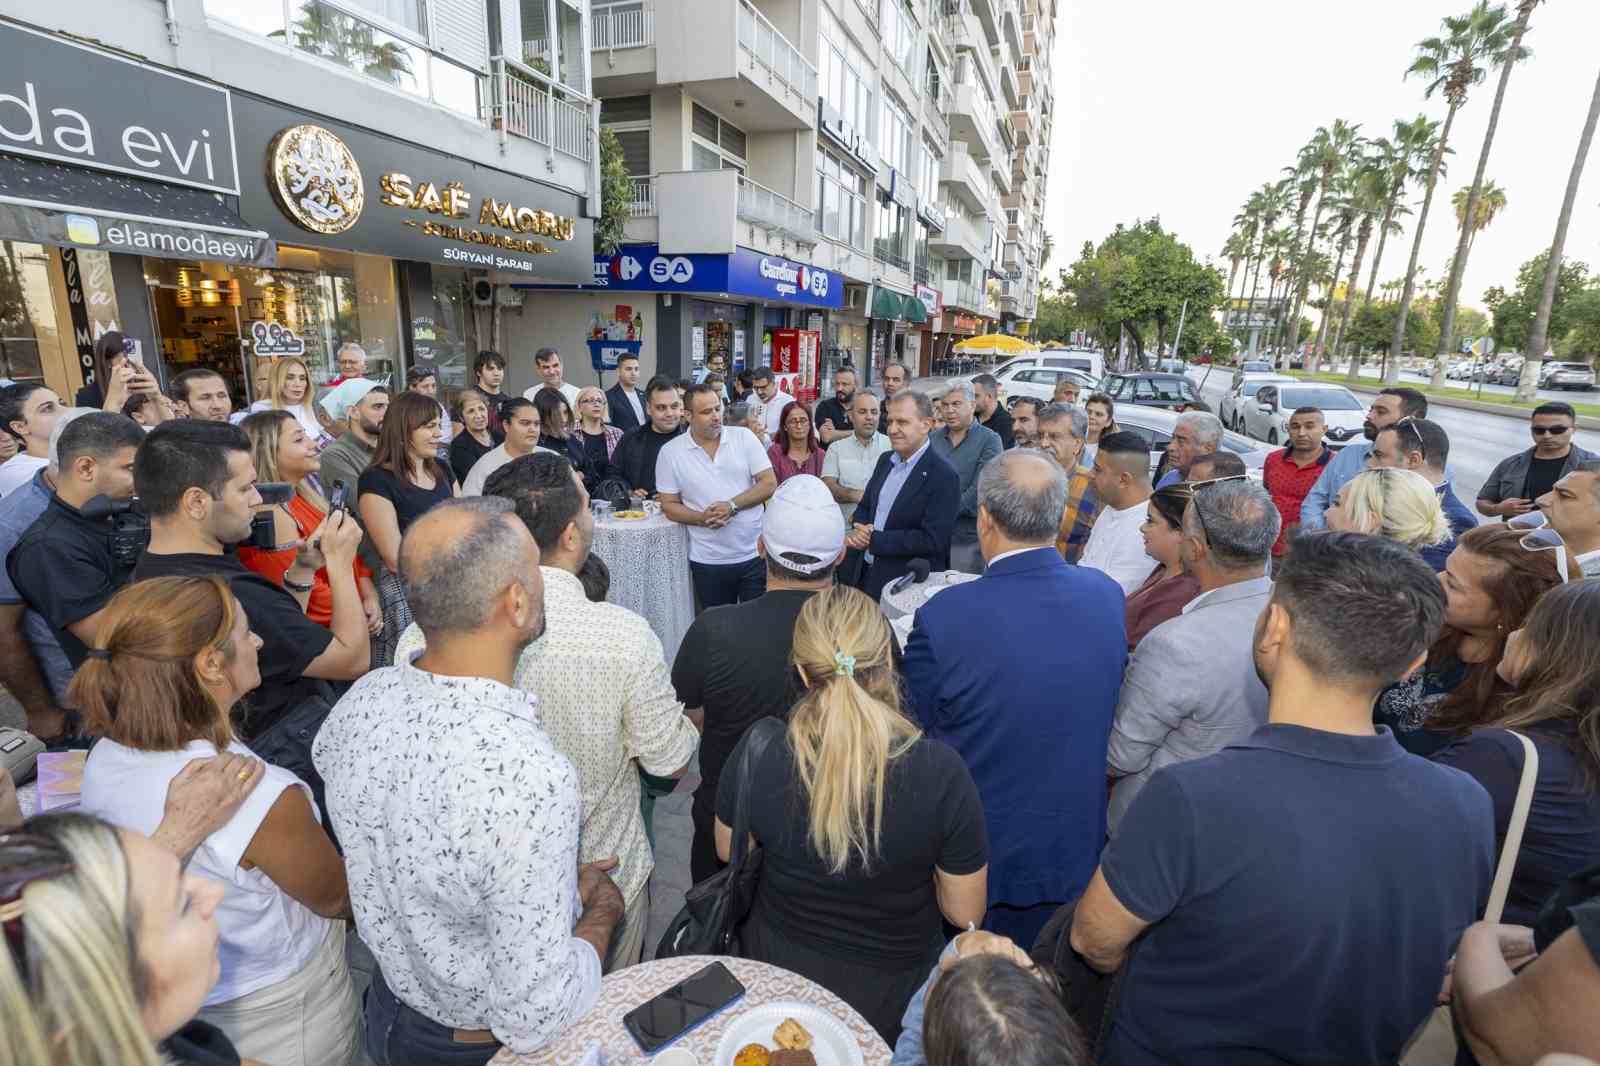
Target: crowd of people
point(1185, 763)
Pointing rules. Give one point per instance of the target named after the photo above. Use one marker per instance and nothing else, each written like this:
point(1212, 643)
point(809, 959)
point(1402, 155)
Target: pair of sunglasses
point(24, 859)
point(1541, 538)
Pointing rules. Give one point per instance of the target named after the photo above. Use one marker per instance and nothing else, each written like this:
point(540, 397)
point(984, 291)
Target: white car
point(1039, 382)
point(1267, 416)
point(1156, 425)
point(1231, 408)
point(1567, 376)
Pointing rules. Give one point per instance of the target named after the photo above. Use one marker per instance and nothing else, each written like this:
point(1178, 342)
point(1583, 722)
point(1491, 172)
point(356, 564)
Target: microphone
point(918, 570)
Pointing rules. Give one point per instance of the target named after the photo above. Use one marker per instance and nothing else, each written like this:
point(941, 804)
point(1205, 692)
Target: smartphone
point(682, 1008)
point(337, 500)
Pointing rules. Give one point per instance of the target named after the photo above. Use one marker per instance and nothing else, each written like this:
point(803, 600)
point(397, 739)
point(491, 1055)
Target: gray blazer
point(1191, 689)
point(1506, 480)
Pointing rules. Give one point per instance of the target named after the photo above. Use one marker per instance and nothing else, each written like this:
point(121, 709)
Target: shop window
point(29, 337)
point(455, 340)
point(716, 143)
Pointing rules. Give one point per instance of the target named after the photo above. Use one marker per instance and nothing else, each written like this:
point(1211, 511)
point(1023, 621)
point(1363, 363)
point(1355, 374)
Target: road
point(1370, 374)
point(1477, 441)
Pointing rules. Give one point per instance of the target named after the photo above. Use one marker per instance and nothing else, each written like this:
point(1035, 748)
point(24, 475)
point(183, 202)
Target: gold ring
point(244, 773)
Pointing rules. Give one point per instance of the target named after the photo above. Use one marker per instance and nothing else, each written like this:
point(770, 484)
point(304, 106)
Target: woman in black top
point(1553, 664)
point(404, 480)
point(555, 424)
point(873, 837)
point(596, 440)
point(119, 946)
point(474, 441)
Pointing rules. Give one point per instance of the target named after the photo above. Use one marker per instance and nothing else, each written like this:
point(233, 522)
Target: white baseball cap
point(803, 519)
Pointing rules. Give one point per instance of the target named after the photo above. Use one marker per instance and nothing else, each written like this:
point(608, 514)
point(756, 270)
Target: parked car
point(1459, 370)
point(1231, 408)
point(1172, 391)
point(1267, 418)
point(1156, 426)
point(1039, 382)
point(1253, 366)
point(1085, 362)
point(1506, 374)
point(1566, 376)
point(1172, 366)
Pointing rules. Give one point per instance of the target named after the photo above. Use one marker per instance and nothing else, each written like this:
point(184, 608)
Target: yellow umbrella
point(995, 344)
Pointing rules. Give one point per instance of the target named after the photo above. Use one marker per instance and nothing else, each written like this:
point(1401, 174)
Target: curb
point(1517, 414)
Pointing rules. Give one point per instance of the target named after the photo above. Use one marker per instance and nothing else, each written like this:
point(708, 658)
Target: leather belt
point(473, 1036)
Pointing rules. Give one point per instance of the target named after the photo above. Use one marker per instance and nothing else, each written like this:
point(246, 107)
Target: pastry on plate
point(792, 1036)
point(792, 1057)
point(752, 1055)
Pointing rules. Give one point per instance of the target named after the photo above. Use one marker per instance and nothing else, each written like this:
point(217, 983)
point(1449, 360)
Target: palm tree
point(1329, 149)
point(1405, 159)
point(1302, 178)
point(1508, 53)
point(1342, 225)
point(1369, 196)
point(1491, 201)
point(1268, 204)
point(1236, 250)
point(1537, 336)
point(1453, 62)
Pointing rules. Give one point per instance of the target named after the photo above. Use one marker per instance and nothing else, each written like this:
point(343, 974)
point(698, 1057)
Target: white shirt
point(459, 820)
point(632, 396)
point(18, 470)
point(267, 936)
point(1589, 563)
point(1116, 547)
point(492, 460)
point(567, 389)
point(606, 699)
point(851, 463)
point(684, 469)
point(772, 415)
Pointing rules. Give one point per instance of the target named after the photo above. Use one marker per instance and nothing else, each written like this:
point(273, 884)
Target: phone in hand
point(130, 352)
point(338, 500)
point(682, 1008)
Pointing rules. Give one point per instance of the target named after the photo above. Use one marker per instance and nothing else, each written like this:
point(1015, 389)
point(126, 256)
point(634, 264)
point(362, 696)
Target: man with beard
point(1388, 407)
point(1025, 422)
point(833, 414)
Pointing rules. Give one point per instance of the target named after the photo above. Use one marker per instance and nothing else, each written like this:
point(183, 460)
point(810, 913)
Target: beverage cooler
point(797, 362)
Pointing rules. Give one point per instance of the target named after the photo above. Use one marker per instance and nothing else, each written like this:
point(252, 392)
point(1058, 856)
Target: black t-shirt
point(1542, 476)
point(410, 501)
point(634, 461)
point(63, 567)
point(200, 1044)
point(289, 640)
point(595, 459)
point(734, 663)
point(91, 395)
point(1000, 422)
point(932, 817)
point(464, 451)
point(831, 410)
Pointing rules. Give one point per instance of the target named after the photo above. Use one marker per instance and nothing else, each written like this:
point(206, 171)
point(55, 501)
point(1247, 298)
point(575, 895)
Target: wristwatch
point(295, 586)
point(733, 508)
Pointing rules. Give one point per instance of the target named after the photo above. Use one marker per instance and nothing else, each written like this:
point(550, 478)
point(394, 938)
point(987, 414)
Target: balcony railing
point(622, 24)
point(644, 197)
point(773, 210)
point(772, 50)
point(526, 104)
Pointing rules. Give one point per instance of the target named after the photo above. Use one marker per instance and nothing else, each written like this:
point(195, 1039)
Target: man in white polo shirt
point(714, 479)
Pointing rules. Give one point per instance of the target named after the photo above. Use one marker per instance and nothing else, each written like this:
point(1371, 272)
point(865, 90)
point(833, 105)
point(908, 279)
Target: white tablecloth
point(901, 607)
point(649, 563)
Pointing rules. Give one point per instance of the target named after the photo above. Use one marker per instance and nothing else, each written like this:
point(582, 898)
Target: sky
point(1182, 109)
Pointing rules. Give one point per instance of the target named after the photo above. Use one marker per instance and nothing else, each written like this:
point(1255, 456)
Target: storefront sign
point(74, 104)
point(274, 338)
point(349, 189)
point(846, 136)
point(960, 323)
point(642, 268)
point(932, 299)
point(110, 233)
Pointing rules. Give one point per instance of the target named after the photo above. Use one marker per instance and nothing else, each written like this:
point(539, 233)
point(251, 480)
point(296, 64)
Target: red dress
point(786, 468)
point(274, 564)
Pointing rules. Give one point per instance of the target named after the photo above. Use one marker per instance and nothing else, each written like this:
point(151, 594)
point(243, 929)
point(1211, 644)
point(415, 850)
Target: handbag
point(1435, 1043)
point(713, 910)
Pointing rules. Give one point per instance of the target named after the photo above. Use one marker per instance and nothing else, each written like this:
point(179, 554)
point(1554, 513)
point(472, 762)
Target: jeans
point(720, 584)
point(400, 1036)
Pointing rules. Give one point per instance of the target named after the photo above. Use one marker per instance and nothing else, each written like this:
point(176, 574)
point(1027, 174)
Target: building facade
point(228, 180)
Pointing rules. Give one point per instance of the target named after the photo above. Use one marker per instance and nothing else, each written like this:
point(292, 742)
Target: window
point(841, 201)
point(928, 181)
point(898, 26)
point(894, 136)
point(629, 118)
point(893, 233)
point(933, 82)
point(717, 144)
point(407, 13)
point(845, 76)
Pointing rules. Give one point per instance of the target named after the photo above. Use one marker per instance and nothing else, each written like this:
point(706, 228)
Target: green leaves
point(616, 195)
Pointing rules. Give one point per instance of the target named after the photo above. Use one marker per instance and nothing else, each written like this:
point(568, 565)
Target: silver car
point(1567, 376)
point(1156, 425)
point(1231, 408)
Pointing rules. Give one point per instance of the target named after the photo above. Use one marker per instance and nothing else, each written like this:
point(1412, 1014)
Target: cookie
point(792, 1036)
point(792, 1057)
point(752, 1055)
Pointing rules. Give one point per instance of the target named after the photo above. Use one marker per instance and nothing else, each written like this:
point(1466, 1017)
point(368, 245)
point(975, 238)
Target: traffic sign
point(1483, 346)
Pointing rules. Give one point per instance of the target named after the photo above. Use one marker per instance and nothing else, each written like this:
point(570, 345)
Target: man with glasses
point(1388, 407)
point(1520, 479)
point(1424, 447)
point(1191, 687)
point(1572, 511)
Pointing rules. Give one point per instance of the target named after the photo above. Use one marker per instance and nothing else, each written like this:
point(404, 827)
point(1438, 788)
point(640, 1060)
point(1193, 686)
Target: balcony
point(525, 103)
point(967, 178)
point(962, 296)
point(963, 238)
point(737, 63)
point(1010, 26)
point(972, 119)
point(936, 109)
point(714, 211)
point(644, 198)
point(1022, 122)
point(771, 210)
point(622, 24)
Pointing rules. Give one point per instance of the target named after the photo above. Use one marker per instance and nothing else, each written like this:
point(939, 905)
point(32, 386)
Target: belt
point(473, 1036)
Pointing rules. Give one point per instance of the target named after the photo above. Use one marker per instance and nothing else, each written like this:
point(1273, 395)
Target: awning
point(913, 311)
point(885, 303)
point(53, 204)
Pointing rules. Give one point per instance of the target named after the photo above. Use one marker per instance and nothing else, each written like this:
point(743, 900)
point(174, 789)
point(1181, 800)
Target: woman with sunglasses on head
point(1490, 583)
point(1169, 587)
point(1551, 670)
point(1400, 505)
point(173, 657)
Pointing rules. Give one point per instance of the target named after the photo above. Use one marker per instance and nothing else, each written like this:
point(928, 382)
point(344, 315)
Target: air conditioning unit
point(482, 291)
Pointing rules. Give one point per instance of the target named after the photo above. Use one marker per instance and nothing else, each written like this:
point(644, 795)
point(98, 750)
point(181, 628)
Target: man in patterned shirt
point(1063, 431)
point(460, 818)
point(604, 693)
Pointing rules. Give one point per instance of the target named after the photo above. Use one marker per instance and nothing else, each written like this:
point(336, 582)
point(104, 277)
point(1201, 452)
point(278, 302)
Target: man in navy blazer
point(622, 397)
point(908, 509)
point(1020, 671)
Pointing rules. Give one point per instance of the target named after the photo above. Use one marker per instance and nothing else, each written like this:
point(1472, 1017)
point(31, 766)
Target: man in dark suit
point(989, 673)
point(627, 410)
point(909, 508)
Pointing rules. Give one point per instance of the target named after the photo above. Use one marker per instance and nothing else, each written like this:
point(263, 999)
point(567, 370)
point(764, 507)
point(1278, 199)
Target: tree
point(1582, 339)
point(1528, 386)
point(1373, 326)
point(1454, 64)
point(1328, 152)
point(1515, 310)
point(616, 195)
point(1491, 202)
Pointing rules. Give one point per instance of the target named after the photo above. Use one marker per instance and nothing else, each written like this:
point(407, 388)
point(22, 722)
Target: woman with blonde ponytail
point(873, 836)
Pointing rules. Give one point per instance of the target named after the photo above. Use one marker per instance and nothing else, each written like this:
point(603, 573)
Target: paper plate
point(831, 1042)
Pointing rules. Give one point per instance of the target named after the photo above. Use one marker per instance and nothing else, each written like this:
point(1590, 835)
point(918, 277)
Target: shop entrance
point(197, 319)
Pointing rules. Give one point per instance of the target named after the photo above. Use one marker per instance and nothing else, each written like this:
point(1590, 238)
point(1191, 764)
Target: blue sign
point(604, 355)
point(644, 268)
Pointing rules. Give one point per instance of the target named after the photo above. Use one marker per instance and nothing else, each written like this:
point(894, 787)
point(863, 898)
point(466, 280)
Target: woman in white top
point(289, 389)
point(173, 657)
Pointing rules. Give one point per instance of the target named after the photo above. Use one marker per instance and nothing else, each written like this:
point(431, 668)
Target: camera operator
point(68, 564)
point(197, 483)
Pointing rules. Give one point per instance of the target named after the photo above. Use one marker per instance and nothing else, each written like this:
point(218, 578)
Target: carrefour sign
point(645, 268)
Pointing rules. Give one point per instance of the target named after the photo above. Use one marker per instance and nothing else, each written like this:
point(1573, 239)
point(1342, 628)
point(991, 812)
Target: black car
point(1172, 391)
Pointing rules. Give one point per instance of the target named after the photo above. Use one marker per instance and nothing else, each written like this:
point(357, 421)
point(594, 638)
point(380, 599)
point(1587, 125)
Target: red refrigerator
point(797, 362)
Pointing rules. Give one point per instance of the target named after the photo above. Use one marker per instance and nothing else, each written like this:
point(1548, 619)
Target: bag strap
point(1514, 830)
point(756, 739)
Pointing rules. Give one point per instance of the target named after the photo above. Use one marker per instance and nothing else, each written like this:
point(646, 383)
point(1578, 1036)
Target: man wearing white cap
point(733, 666)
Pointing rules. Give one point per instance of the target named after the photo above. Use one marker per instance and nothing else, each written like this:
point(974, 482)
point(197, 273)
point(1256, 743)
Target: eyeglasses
point(1194, 496)
point(1554, 431)
point(24, 859)
point(1541, 538)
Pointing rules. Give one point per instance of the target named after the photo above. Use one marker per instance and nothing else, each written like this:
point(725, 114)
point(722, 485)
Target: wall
point(562, 320)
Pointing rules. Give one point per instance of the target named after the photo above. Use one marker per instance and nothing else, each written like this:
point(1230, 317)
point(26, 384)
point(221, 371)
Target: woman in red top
point(796, 450)
point(283, 452)
point(1168, 588)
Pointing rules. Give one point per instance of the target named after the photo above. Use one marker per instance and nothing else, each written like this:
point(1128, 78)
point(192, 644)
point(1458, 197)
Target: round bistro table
point(649, 563)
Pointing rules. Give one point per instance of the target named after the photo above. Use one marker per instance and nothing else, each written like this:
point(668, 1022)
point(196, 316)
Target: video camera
point(129, 528)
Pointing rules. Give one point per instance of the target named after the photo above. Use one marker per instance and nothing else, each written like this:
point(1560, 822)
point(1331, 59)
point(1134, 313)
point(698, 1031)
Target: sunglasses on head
point(1541, 538)
point(1408, 426)
point(24, 859)
point(1194, 495)
point(1554, 431)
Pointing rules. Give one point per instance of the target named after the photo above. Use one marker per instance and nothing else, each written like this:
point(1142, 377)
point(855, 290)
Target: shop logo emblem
point(626, 267)
point(819, 283)
point(678, 270)
point(315, 179)
point(81, 229)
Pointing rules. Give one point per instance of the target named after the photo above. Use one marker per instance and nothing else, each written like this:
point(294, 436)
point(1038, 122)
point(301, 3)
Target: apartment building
point(228, 180)
point(871, 170)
